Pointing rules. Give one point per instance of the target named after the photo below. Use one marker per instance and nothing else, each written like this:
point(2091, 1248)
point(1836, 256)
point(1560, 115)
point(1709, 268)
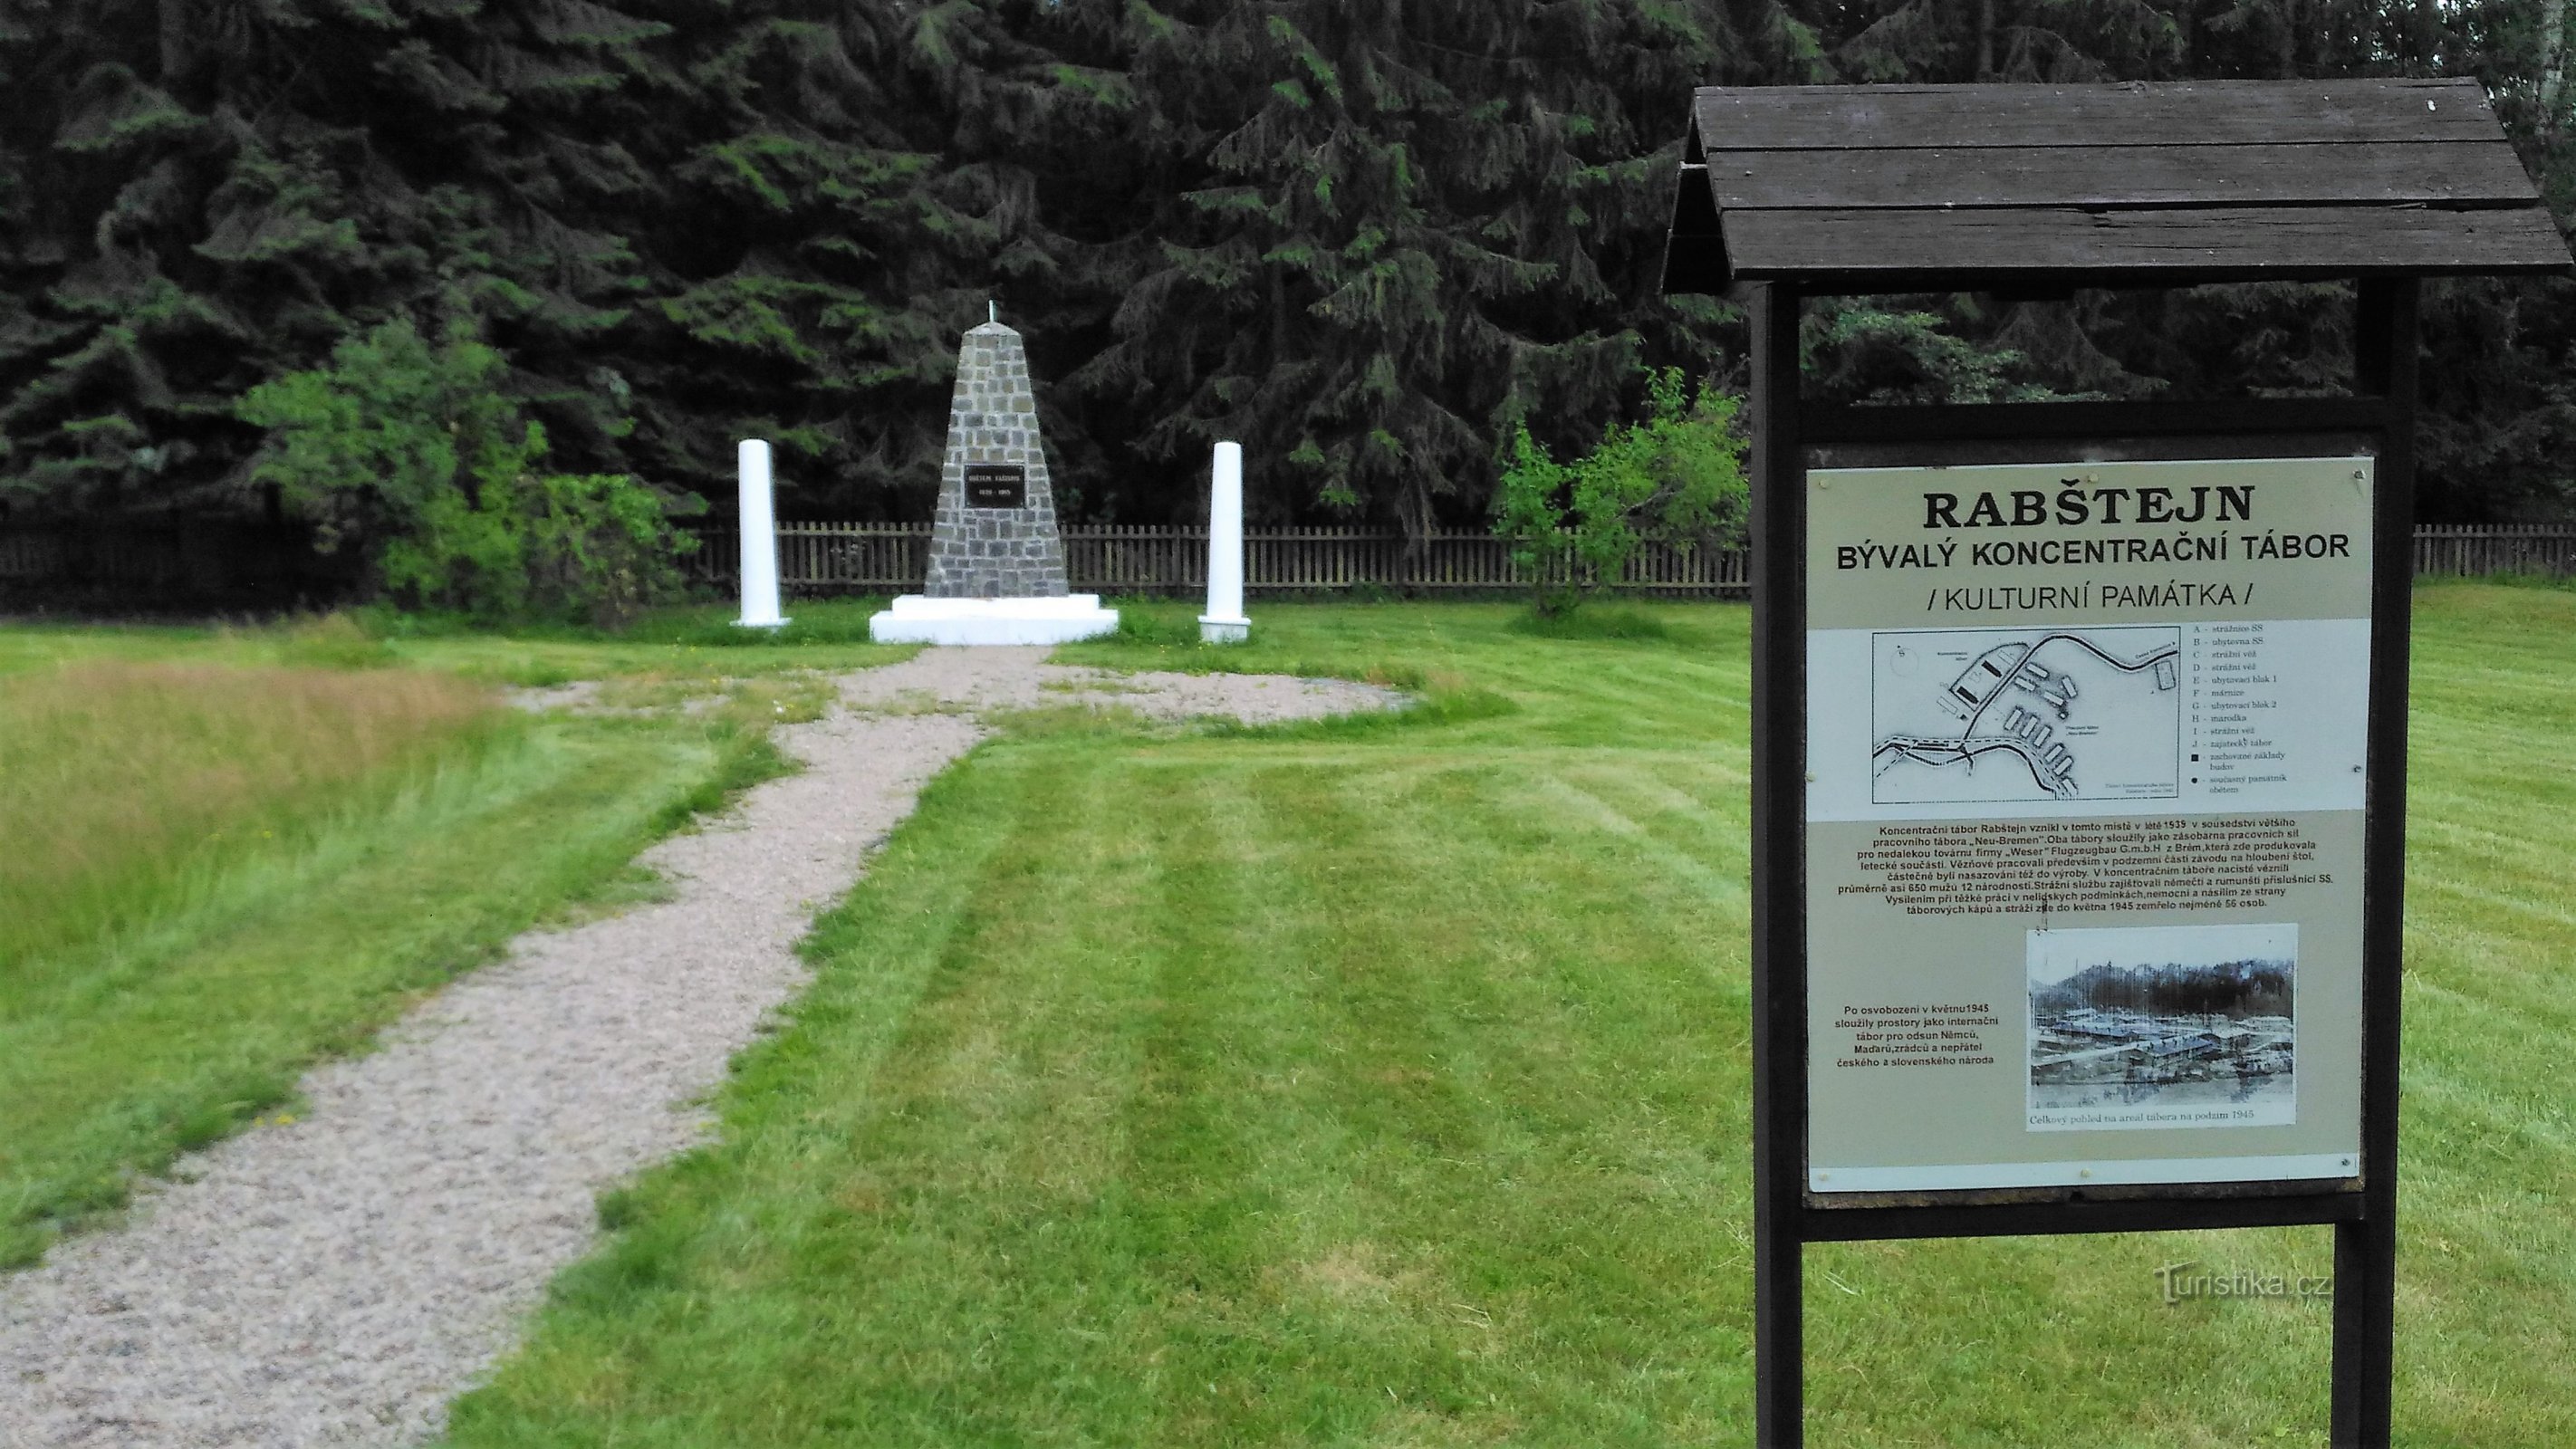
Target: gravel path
point(993, 678)
point(335, 1280)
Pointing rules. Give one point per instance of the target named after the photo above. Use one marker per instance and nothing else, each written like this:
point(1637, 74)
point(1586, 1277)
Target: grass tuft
point(1593, 621)
point(332, 641)
point(1069, 721)
point(119, 782)
point(810, 623)
point(1160, 628)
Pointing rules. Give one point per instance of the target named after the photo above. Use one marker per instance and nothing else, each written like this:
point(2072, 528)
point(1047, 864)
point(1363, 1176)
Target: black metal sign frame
point(1789, 437)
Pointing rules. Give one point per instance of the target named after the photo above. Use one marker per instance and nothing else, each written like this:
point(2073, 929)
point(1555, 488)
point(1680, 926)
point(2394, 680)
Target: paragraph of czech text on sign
point(1995, 867)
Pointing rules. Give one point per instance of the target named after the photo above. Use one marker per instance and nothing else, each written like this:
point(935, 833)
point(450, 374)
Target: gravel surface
point(335, 1280)
point(1002, 678)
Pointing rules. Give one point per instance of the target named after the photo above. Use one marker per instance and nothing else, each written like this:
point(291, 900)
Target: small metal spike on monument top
point(992, 311)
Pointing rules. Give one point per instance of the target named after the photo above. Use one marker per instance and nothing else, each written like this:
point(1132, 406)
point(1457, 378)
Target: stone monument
point(996, 571)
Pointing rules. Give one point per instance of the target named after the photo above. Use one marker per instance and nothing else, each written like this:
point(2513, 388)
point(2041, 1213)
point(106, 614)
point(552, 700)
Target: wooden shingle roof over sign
point(1922, 188)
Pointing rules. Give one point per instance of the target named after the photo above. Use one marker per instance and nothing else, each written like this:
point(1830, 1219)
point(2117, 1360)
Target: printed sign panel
point(2085, 781)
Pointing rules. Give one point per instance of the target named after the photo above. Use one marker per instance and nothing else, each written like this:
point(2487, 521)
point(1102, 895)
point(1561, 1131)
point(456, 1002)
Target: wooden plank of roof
point(2449, 173)
point(2254, 113)
point(1890, 250)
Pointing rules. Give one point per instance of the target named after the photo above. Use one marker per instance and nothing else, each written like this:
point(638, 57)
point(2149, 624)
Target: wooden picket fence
point(1164, 559)
point(825, 558)
point(2483, 550)
point(217, 563)
point(822, 558)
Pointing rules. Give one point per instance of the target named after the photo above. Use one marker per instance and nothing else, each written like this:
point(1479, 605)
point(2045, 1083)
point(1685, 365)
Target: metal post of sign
point(2365, 1258)
point(1779, 533)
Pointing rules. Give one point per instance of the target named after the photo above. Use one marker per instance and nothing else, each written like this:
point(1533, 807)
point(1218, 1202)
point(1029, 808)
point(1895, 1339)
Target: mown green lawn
point(1385, 1084)
point(219, 863)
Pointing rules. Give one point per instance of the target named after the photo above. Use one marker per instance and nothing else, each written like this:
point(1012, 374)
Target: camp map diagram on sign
point(2025, 714)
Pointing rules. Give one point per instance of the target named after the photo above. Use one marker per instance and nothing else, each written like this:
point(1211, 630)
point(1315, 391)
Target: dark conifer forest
point(1364, 237)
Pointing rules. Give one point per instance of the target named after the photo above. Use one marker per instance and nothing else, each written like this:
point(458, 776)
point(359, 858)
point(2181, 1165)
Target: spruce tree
point(201, 198)
point(804, 239)
point(1397, 229)
point(1363, 239)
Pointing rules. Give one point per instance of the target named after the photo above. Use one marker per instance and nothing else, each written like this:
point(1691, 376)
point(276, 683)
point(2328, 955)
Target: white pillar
point(759, 540)
point(1223, 623)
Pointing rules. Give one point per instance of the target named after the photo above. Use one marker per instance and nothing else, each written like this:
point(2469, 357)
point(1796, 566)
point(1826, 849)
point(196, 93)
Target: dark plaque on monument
point(997, 485)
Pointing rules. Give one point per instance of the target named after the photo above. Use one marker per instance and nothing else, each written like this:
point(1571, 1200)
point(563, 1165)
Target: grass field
point(117, 777)
point(678, 644)
point(230, 852)
point(1385, 1084)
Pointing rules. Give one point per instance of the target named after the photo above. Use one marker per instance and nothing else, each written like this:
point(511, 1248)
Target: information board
point(2084, 803)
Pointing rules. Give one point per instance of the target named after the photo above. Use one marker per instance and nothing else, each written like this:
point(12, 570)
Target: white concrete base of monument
point(918, 619)
point(1213, 630)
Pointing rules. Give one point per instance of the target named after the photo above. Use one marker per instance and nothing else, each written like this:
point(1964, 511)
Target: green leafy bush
point(1675, 478)
point(413, 453)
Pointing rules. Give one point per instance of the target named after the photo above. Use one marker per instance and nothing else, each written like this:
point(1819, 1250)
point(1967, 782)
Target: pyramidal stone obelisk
point(996, 573)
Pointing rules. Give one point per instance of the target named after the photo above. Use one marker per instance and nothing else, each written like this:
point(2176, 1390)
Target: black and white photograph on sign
point(2004, 715)
point(2163, 1026)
